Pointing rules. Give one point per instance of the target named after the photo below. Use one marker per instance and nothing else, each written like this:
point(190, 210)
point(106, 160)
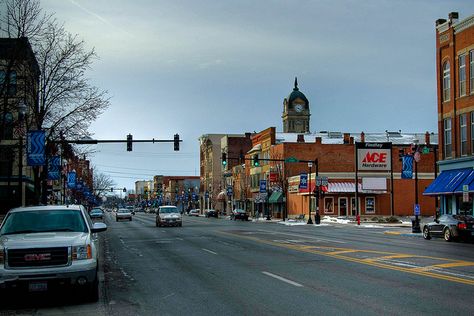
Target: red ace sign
point(374, 156)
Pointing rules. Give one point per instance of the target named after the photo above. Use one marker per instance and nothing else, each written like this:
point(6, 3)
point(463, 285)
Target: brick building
point(455, 87)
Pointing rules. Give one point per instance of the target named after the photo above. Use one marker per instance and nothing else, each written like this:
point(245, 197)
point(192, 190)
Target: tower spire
point(296, 84)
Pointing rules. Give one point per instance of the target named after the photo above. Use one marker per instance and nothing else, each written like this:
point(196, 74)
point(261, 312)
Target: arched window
point(8, 132)
point(446, 81)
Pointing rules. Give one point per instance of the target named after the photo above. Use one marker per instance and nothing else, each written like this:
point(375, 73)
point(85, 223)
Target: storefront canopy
point(469, 181)
point(276, 197)
point(450, 181)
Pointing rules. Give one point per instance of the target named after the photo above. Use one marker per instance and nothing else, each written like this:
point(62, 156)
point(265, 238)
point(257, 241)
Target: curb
point(403, 234)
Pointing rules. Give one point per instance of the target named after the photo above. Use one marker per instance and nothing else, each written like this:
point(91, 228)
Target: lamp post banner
point(54, 168)
point(374, 156)
point(35, 148)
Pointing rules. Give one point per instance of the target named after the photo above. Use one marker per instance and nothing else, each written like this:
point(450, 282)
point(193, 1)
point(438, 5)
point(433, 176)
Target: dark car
point(212, 213)
point(450, 227)
point(96, 213)
point(239, 214)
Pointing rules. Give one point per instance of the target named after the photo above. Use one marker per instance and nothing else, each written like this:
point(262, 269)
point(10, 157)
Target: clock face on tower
point(298, 107)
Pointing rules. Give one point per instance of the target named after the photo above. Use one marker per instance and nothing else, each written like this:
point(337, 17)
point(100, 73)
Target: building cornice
point(443, 27)
point(464, 24)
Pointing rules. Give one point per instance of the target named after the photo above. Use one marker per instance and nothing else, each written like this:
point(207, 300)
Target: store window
point(447, 138)
point(369, 205)
point(446, 81)
point(462, 75)
point(328, 205)
point(463, 130)
point(471, 71)
point(472, 133)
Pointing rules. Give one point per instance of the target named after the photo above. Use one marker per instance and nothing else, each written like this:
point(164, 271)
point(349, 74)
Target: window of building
point(471, 71)
point(369, 205)
point(472, 133)
point(463, 130)
point(10, 83)
point(8, 131)
point(462, 75)
point(446, 82)
point(447, 138)
point(328, 205)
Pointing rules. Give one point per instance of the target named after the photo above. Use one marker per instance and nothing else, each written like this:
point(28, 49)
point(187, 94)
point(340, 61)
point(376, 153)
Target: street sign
point(321, 181)
point(426, 150)
point(417, 209)
point(263, 186)
point(291, 159)
point(465, 193)
point(303, 181)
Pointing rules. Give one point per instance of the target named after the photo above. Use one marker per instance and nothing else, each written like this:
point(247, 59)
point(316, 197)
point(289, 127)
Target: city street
point(223, 267)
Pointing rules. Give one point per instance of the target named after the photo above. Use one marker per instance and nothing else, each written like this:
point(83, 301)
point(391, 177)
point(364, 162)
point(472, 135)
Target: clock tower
point(296, 112)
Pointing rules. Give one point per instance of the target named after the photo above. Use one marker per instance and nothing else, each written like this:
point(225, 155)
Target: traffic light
point(176, 142)
point(401, 153)
point(111, 189)
point(241, 157)
point(256, 162)
point(129, 142)
point(224, 159)
point(125, 190)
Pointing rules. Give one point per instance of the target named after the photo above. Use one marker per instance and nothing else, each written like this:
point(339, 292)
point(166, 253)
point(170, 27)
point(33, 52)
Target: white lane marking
point(281, 279)
point(304, 236)
point(210, 251)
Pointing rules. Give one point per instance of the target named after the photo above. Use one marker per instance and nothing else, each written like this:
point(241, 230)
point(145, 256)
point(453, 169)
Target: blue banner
point(71, 180)
point(407, 167)
point(35, 148)
point(303, 181)
point(54, 168)
point(263, 186)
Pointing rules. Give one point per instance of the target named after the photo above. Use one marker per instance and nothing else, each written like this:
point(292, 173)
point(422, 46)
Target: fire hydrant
point(358, 219)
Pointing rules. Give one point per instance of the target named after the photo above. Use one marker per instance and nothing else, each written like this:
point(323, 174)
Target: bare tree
point(65, 101)
point(102, 183)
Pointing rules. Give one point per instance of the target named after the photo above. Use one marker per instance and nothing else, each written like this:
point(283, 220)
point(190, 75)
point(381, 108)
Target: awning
point(276, 197)
point(221, 196)
point(342, 187)
point(469, 181)
point(448, 181)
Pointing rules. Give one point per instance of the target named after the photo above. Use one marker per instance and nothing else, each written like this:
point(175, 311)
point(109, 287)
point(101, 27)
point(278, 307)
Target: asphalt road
point(222, 267)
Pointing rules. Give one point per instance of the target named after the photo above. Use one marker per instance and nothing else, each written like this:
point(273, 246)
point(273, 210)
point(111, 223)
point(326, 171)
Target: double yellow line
point(338, 253)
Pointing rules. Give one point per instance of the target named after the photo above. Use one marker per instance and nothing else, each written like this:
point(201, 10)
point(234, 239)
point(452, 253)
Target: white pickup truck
point(45, 248)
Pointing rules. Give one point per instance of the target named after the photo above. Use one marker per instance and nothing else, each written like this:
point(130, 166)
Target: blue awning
point(469, 181)
point(447, 181)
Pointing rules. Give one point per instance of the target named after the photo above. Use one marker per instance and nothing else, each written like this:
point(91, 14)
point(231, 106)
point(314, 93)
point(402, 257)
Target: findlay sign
point(374, 156)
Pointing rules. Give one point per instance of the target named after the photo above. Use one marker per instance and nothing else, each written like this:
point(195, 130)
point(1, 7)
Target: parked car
point(450, 227)
point(123, 213)
point(194, 212)
point(168, 215)
point(96, 213)
point(47, 247)
point(239, 214)
point(211, 213)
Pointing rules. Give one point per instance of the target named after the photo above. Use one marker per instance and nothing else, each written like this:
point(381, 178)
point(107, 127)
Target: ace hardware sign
point(374, 156)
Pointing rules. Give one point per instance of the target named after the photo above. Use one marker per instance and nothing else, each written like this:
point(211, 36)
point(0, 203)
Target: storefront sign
point(374, 156)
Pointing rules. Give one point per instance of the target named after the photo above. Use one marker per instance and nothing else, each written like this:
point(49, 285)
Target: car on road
point(450, 227)
point(194, 212)
point(168, 215)
point(96, 213)
point(239, 214)
point(43, 248)
point(131, 209)
point(123, 213)
point(211, 213)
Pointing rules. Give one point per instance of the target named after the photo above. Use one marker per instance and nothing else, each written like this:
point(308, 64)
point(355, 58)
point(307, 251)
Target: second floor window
point(462, 75)
point(471, 71)
point(446, 82)
point(472, 133)
point(447, 138)
point(463, 130)
point(8, 84)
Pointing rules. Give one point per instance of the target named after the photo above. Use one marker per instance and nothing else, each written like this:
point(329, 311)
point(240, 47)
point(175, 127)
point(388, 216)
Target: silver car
point(168, 216)
point(123, 213)
point(49, 247)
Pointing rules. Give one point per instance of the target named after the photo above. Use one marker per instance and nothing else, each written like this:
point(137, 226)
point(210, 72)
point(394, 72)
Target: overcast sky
point(196, 67)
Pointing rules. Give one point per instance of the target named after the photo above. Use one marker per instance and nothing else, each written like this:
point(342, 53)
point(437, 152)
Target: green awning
point(276, 197)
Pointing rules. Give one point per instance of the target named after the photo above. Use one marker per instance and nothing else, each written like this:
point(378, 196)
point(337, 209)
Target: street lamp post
point(317, 217)
point(310, 221)
point(21, 117)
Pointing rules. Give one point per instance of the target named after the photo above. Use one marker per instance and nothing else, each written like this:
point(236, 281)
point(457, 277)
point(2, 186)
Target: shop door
point(342, 206)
